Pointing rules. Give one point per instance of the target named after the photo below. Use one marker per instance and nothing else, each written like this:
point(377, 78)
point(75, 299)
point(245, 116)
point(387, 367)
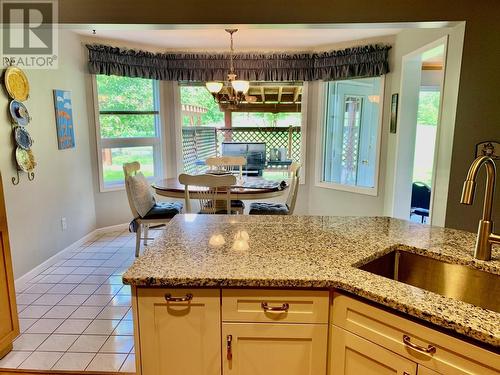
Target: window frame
point(178, 126)
point(321, 140)
point(103, 143)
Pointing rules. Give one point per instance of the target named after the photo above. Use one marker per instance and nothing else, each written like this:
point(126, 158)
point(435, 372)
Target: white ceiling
point(244, 39)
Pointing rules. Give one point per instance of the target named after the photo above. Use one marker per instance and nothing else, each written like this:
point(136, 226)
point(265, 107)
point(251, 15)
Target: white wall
point(325, 201)
point(407, 41)
point(431, 78)
point(63, 179)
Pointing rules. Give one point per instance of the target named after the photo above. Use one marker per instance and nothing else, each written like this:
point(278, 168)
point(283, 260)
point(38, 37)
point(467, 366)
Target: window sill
point(350, 189)
point(113, 188)
point(121, 186)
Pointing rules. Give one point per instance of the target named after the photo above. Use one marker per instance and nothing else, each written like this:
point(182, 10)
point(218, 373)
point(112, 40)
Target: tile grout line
point(117, 262)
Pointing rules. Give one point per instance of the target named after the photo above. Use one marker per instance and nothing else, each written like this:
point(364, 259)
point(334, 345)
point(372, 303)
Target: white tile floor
point(75, 315)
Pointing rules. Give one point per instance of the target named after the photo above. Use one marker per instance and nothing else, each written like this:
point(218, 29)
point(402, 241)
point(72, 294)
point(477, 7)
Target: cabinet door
point(277, 349)
point(422, 370)
point(9, 323)
point(179, 337)
point(353, 355)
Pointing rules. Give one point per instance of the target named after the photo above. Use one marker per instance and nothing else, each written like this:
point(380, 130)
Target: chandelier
point(235, 91)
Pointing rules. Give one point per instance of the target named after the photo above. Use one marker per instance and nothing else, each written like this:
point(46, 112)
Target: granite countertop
point(315, 252)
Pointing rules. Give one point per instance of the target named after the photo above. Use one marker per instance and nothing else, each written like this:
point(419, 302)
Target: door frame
point(407, 126)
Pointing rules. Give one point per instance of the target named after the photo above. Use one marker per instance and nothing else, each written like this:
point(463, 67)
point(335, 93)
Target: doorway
point(421, 98)
point(428, 109)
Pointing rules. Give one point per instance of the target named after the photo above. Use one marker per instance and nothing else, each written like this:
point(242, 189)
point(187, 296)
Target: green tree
point(199, 96)
point(428, 108)
point(116, 93)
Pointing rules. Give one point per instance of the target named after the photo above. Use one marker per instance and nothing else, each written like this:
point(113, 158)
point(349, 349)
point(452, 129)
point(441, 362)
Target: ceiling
point(244, 39)
point(267, 97)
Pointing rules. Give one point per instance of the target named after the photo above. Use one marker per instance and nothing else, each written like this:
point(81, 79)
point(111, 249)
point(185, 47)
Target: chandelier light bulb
point(232, 97)
point(214, 87)
point(240, 85)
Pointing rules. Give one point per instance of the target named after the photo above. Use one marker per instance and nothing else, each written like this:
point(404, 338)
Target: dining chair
point(227, 163)
point(287, 208)
point(211, 191)
point(234, 165)
point(420, 200)
point(145, 210)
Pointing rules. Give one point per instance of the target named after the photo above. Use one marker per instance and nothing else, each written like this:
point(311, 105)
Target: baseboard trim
point(59, 372)
point(58, 256)
point(111, 228)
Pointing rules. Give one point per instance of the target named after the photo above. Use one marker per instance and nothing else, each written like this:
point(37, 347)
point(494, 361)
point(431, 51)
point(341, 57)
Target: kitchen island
point(265, 277)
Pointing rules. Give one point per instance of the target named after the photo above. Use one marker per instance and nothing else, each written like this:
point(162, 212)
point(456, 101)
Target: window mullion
point(155, 112)
point(128, 142)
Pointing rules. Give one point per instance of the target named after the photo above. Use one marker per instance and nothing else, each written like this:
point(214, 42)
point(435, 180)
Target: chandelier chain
point(236, 91)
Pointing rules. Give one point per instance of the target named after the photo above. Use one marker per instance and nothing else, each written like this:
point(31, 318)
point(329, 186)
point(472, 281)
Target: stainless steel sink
point(451, 280)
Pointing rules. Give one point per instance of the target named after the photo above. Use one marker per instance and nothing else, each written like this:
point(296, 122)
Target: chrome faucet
point(485, 235)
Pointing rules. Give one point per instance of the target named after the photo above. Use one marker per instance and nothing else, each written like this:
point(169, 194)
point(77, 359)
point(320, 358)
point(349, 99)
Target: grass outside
point(425, 142)
point(113, 173)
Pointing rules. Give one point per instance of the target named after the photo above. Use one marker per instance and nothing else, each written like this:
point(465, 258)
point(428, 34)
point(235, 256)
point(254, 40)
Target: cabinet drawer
point(451, 356)
point(289, 306)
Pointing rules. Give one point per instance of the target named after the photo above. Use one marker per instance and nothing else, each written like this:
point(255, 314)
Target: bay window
point(128, 127)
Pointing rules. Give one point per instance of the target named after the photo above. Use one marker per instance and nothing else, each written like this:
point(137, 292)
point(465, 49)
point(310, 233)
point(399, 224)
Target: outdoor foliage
point(425, 137)
point(199, 96)
point(133, 95)
point(126, 94)
point(428, 108)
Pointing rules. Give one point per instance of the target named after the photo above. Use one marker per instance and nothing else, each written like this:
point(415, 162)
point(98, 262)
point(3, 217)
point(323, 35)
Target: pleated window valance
point(365, 61)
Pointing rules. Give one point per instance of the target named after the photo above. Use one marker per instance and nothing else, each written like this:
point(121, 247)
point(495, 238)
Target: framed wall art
point(394, 112)
point(64, 119)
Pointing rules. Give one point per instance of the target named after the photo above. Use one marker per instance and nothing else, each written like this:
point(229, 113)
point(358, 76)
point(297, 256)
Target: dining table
point(172, 188)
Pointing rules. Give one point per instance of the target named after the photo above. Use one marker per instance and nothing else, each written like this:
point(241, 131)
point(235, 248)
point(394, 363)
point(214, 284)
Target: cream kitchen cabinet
point(422, 370)
point(280, 332)
point(290, 332)
point(353, 355)
point(434, 352)
point(269, 348)
point(177, 331)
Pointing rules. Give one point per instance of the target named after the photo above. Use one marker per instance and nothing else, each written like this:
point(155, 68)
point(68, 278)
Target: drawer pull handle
point(283, 307)
point(431, 349)
point(187, 297)
point(229, 347)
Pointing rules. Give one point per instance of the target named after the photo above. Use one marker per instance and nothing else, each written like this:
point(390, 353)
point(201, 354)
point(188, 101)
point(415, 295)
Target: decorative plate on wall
point(25, 160)
point(16, 83)
point(19, 113)
point(23, 138)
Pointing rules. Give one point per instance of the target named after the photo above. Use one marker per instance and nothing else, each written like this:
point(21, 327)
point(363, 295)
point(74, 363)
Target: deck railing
point(274, 137)
point(200, 142)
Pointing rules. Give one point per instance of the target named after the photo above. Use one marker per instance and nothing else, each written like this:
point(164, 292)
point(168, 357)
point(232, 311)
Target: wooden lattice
point(273, 137)
point(198, 143)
